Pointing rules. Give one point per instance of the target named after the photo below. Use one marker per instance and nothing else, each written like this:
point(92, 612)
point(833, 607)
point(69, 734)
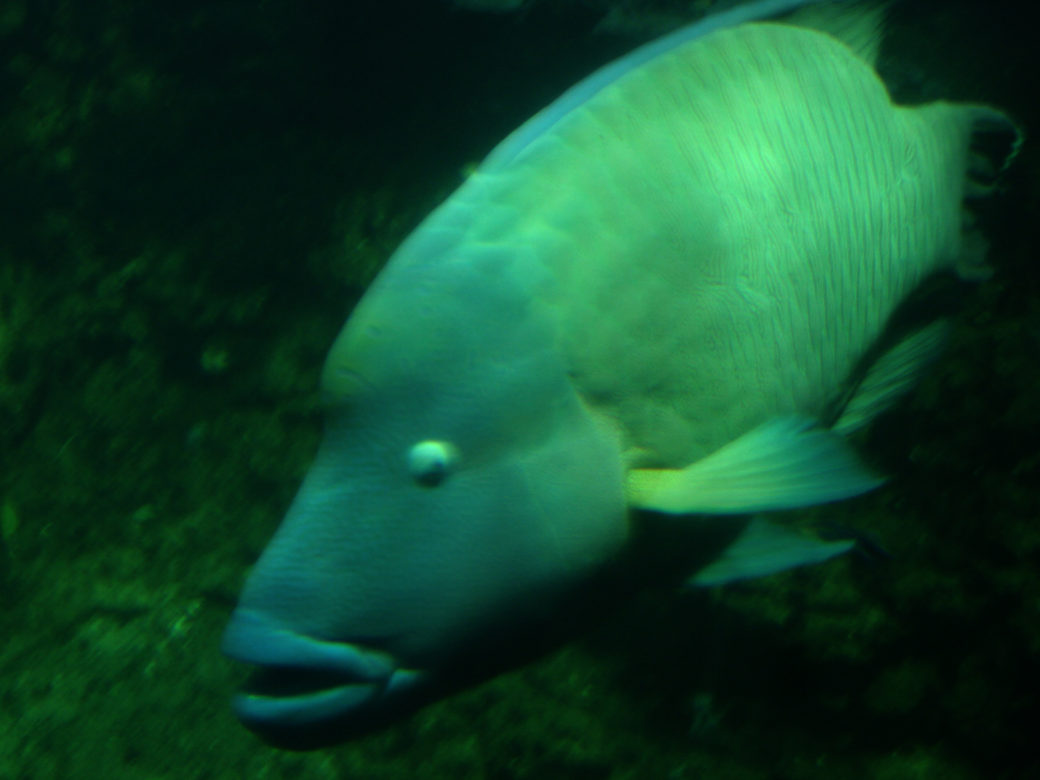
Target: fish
point(655, 314)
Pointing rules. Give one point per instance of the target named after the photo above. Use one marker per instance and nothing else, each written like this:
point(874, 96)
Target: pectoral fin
point(783, 464)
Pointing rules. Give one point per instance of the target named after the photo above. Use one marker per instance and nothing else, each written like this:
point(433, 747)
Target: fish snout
point(306, 691)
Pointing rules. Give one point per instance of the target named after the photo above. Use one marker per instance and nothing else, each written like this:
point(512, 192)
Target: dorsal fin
point(856, 24)
point(585, 89)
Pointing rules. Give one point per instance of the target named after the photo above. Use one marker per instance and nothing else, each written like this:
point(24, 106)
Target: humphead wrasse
point(667, 299)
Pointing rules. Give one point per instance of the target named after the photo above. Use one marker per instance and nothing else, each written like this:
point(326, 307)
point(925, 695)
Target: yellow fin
point(785, 463)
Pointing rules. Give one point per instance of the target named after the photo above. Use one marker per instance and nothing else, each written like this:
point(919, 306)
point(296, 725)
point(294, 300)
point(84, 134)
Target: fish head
point(461, 488)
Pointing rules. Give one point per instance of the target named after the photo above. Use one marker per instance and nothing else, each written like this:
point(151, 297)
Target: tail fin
point(993, 142)
point(966, 147)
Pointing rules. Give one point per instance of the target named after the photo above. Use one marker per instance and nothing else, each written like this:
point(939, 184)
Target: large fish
point(661, 303)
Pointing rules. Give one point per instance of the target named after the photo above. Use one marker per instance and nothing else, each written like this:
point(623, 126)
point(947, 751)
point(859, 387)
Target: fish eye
point(429, 462)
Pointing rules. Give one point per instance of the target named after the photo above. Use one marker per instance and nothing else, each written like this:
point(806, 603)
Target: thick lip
point(301, 680)
point(338, 703)
point(255, 639)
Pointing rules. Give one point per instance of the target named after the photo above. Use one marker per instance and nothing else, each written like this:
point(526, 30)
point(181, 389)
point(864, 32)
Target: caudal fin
point(993, 142)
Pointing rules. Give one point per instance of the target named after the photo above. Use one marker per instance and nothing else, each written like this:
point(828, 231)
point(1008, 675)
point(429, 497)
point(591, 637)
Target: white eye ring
point(429, 462)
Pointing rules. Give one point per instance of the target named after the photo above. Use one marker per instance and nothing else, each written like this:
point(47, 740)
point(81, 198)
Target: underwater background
point(192, 197)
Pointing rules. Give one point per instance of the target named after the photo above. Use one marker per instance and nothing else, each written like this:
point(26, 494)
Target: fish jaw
point(305, 688)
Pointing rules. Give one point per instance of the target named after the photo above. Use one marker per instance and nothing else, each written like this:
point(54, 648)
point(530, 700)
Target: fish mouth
point(302, 685)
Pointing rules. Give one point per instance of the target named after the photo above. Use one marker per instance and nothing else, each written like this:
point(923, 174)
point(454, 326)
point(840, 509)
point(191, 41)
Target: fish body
point(658, 297)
